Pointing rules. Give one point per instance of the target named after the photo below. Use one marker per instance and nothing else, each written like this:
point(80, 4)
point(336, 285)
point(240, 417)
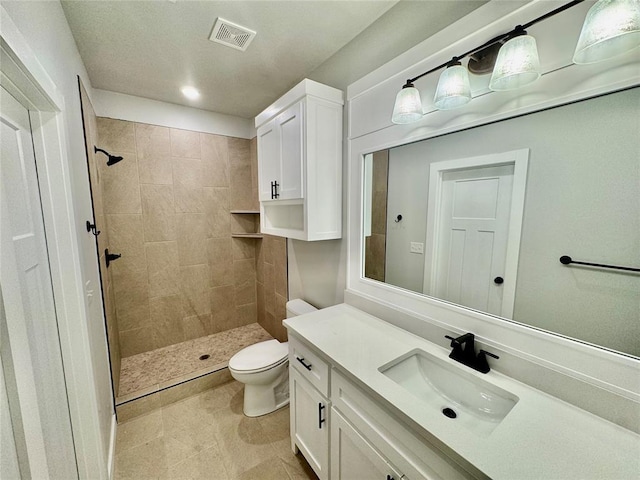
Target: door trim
point(28, 81)
point(519, 159)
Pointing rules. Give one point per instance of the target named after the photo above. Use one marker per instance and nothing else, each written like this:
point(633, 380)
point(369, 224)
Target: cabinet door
point(310, 423)
point(291, 124)
point(268, 159)
point(352, 457)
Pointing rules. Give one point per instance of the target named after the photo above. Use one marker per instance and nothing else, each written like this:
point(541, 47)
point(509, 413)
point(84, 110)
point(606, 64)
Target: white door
point(352, 457)
point(473, 229)
point(30, 347)
point(291, 144)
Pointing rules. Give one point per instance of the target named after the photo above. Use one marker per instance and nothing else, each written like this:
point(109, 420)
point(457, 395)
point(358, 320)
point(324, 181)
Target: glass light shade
point(612, 27)
point(408, 106)
point(453, 89)
point(517, 64)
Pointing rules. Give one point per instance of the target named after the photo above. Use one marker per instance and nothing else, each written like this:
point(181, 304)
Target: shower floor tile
point(155, 370)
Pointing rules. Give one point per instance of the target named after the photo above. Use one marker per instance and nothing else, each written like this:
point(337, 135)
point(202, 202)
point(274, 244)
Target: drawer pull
point(305, 365)
point(320, 419)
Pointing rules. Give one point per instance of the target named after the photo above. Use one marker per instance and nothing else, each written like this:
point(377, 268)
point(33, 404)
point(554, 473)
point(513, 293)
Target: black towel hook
point(91, 227)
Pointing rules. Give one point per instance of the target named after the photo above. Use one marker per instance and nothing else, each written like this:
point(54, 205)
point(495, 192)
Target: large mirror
point(481, 218)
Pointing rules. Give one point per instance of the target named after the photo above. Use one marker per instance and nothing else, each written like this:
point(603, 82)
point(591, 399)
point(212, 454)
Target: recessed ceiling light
point(190, 92)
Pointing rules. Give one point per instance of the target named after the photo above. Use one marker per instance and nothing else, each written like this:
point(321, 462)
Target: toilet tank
point(298, 307)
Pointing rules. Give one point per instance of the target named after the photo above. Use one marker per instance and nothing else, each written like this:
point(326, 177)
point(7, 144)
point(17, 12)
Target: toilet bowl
point(263, 369)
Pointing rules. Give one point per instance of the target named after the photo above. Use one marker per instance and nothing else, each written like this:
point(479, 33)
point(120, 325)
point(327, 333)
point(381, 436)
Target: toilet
point(263, 368)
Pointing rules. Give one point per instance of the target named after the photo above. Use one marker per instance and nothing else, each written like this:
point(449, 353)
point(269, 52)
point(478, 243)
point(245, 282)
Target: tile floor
point(206, 436)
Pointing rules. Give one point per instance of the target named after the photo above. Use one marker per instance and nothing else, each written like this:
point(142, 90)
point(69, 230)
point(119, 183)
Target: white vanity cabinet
point(353, 457)
point(310, 406)
point(346, 435)
point(299, 149)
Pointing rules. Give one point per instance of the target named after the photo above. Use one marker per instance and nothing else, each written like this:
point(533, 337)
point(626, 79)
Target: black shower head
point(112, 158)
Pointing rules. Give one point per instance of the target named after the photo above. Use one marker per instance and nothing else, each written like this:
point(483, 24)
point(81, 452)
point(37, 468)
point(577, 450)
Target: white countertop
point(542, 437)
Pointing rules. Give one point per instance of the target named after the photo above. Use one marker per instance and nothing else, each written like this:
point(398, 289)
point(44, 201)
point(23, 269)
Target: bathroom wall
point(375, 244)
point(168, 206)
point(89, 121)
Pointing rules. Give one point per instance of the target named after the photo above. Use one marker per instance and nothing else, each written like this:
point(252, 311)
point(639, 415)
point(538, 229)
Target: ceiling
point(153, 48)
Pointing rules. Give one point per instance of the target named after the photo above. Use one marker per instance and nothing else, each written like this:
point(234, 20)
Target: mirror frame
point(368, 97)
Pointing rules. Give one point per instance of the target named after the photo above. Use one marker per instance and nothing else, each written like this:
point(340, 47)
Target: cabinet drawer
point(413, 454)
point(309, 365)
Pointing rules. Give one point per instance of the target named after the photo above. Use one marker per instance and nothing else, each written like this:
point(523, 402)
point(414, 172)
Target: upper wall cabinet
point(300, 163)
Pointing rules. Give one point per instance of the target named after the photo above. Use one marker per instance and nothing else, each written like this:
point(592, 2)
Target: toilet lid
point(259, 356)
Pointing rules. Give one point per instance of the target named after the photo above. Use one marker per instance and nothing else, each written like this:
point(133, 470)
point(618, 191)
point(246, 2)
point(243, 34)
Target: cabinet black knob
point(498, 280)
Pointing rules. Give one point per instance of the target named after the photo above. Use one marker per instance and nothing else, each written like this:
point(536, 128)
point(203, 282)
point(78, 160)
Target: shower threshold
point(163, 368)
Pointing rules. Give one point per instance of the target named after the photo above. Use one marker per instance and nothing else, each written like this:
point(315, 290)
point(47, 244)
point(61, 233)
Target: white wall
point(45, 29)
point(582, 200)
point(144, 110)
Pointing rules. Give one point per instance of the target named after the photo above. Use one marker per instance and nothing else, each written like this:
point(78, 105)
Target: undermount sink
point(462, 396)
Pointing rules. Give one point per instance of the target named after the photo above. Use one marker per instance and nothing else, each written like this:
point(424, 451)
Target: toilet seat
point(259, 357)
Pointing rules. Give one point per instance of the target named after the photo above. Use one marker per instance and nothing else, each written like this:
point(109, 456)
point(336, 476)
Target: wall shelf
point(246, 235)
point(245, 212)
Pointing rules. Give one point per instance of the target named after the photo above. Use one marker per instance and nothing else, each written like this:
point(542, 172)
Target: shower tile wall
point(271, 273)
point(375, 247)
point(97, 186)
point(167, 205)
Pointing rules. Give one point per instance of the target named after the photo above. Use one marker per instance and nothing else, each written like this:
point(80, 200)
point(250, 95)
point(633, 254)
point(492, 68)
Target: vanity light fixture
point(615, 30)
point(190, 92)
point(454, 89)
point(612, 27)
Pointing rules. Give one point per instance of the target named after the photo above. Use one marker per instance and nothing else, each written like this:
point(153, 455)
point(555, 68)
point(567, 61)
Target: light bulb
point(190, 92)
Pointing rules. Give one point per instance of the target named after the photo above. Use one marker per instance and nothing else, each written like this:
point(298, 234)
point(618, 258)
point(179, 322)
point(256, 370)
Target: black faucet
point(464, 351)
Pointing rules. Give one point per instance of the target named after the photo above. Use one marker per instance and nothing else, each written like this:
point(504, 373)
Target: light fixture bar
point(499, 38)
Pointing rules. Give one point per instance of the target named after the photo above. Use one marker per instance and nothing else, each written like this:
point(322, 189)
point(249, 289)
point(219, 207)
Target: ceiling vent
point(231, 34)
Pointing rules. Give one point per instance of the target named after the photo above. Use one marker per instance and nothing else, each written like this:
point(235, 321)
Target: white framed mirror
point(480, 218)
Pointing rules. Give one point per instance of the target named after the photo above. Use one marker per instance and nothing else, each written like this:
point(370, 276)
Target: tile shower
point(184, 287)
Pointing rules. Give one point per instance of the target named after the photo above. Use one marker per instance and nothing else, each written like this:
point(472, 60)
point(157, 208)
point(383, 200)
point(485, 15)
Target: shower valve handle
point(110, 257)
